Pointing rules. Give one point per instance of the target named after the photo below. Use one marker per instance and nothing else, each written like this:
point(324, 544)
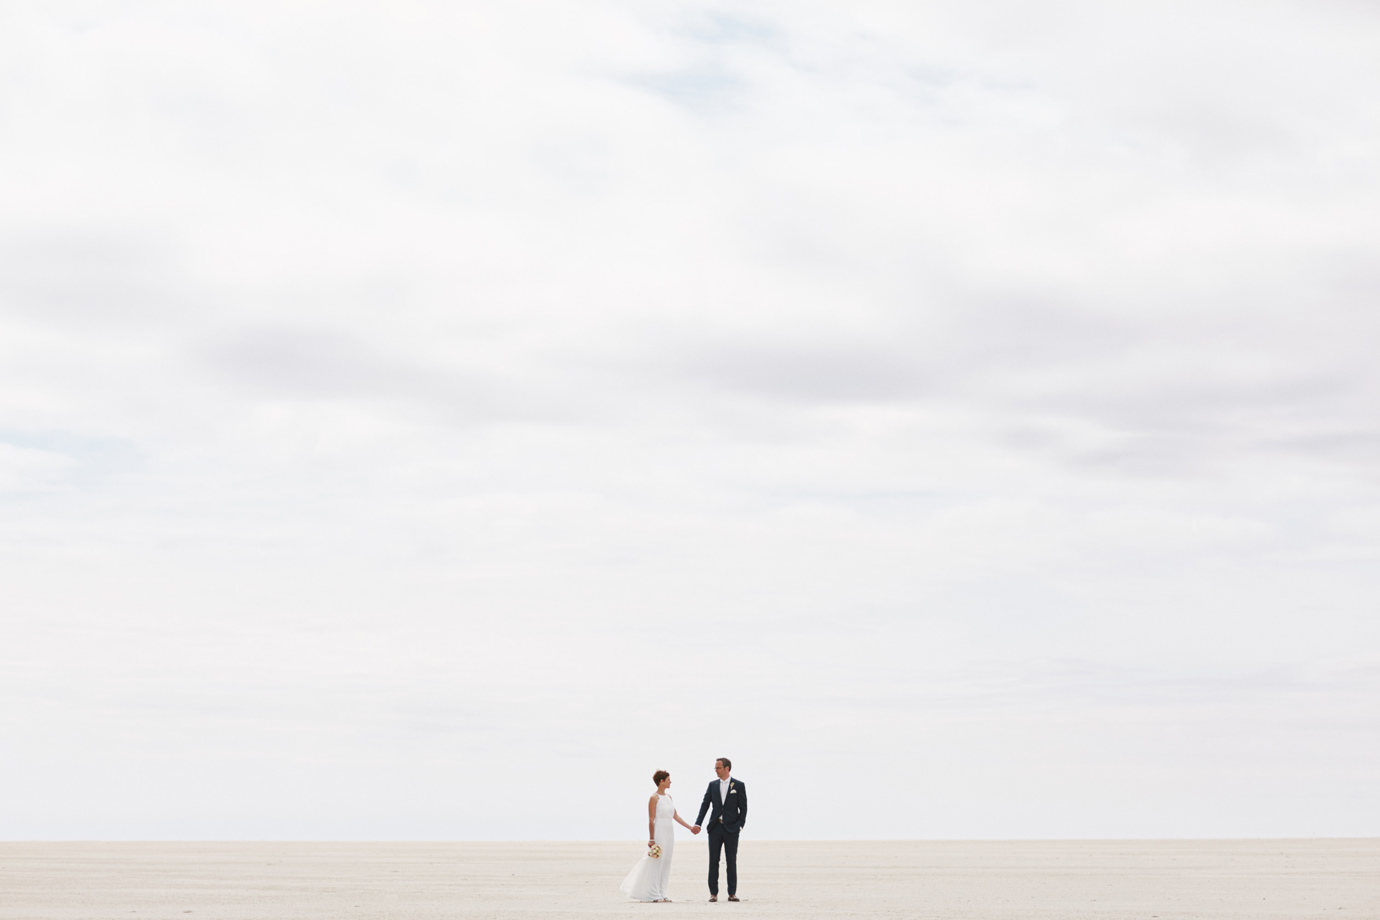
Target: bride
point(647, 880)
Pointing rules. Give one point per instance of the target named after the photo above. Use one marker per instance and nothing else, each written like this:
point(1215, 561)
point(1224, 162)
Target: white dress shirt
point(723, 789)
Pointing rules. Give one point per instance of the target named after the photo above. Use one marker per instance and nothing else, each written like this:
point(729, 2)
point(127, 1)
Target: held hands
point(695, 829)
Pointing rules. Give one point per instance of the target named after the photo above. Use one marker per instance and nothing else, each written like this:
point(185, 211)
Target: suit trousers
point(720, 838)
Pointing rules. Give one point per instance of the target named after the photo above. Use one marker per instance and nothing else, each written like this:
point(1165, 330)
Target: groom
point(728, 797)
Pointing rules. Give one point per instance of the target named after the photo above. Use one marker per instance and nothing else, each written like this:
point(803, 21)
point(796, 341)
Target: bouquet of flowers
point(655, 851)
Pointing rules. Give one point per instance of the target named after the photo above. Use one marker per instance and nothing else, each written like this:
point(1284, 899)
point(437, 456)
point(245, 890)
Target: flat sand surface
point(920, 879)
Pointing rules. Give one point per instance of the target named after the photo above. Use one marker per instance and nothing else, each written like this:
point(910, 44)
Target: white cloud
point(978, 401)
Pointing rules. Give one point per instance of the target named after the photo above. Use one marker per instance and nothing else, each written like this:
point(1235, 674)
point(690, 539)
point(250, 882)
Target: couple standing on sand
point(727, 797)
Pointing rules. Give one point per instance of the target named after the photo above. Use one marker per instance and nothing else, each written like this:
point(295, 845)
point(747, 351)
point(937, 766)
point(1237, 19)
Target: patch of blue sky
point(717, 28)
point(710, 85)
point(95, 458)
point(695, 89)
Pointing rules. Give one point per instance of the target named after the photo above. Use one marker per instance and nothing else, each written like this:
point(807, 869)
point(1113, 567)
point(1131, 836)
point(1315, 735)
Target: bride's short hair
point(659, 775)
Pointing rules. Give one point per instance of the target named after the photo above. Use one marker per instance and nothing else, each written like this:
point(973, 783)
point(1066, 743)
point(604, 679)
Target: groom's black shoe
point(733, 897)
point(713, 898)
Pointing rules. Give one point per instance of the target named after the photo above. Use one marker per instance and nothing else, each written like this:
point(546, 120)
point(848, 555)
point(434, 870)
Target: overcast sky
point(425, 420)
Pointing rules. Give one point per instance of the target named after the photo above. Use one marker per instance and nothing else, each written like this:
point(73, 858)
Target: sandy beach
point(1155, 880)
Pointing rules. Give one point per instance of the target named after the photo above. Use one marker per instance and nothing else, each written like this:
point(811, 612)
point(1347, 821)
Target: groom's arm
point(742, 805)
point(704, 806)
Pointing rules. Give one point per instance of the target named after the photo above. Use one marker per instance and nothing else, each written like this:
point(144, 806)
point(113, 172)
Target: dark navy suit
point(729, 815)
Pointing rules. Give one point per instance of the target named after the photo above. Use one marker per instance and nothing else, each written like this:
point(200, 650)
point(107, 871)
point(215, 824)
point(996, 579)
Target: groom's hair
point(728, 764)
point(658, 776)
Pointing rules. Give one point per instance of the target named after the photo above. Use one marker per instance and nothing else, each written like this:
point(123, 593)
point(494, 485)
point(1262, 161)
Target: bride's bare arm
point(681, 821)
point(651, 821)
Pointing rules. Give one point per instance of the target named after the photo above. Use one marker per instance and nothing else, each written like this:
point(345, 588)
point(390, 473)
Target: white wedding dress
point(647, 880)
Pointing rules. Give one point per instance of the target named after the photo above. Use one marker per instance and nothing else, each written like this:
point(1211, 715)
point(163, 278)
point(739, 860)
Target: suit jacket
point(729, 816)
